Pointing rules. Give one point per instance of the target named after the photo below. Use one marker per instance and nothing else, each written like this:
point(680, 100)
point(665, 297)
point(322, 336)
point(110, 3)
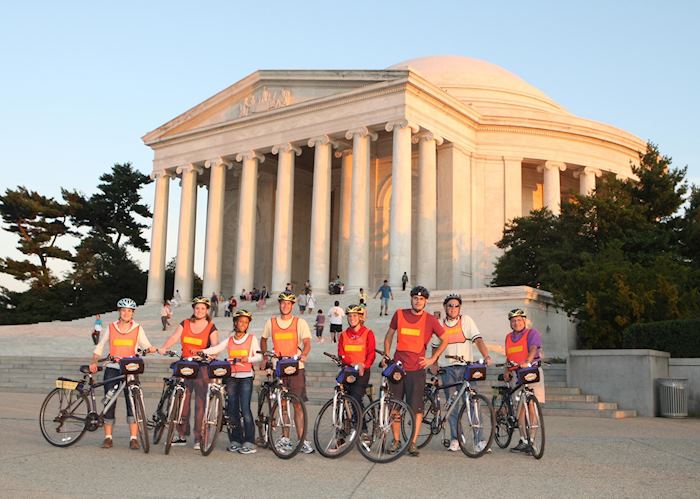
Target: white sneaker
point(197, 446)
point(454, 445)
point(480, 446)
point(306, 448)
point(234, 447)
point(283, 444)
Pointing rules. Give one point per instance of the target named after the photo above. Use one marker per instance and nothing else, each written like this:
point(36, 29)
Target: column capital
point(588, 170)
point(218, 161)
point(346, 151)
point(549, 165)
point(286, 147)
point(401, 124)
point(319, 140)
point(361, 131)
point(191, 167)
point(427, 136)
point(162, 173)
point(251, 154)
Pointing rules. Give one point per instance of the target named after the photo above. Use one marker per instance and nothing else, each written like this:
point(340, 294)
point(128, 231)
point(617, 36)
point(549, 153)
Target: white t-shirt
point(301, 300)
point(310, 301)
point(336, 315)
point(471, 333)
point(303, 331)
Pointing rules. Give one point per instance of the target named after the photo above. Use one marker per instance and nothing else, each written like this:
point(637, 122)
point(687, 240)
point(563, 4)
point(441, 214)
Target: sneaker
point(107, 443)
point(413, 450)
point(197, 446)
point(134, 444)
point(454, 445)
point(481, 445)
point(283, 444)
point(394, 447)
point(521, 447)
point(248, 449)
point(306, 448)
point(179, 441)
point(234, 447)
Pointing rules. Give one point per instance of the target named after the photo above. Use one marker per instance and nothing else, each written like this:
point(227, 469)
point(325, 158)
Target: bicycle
point(279, 409)
point(381, 418)
point(345, 415)
point(526, 401)
point(215, 414)
point(476, 417)
point(76, 411)
point(159, 419)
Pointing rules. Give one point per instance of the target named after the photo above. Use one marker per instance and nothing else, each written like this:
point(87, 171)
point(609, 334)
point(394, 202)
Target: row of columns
point(552, 184)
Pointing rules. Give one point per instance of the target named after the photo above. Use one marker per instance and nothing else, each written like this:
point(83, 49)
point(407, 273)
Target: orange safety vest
point(454, 334)
point(285, 341)
point(122, 344)
point(242, 353)
point(355, 348)
point(516, 351)
point(410, 337)
point(191, 342)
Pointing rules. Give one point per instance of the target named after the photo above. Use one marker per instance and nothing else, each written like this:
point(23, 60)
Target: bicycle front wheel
point(262, 422)
point(140, 418)
point(475, 425)
point(388, 430)
point(211, 424)
point(287, 426)
point(160, 417)
point(534, 427)
point(336, 428)
point(63, 416)
point(431, 413)
point(504, 430)
point(173, 414)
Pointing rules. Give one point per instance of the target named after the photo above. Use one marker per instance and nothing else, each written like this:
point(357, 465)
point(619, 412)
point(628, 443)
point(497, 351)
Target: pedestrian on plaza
point(320, 323)
point(176, 298)
point(335, 315)
point(404, 281)
point(385, 290)
point(96, 329)
point(214, 300)
point(362, 295)
point(310, 302)
point(262, 299)
point(301, 303)
point(165, 314)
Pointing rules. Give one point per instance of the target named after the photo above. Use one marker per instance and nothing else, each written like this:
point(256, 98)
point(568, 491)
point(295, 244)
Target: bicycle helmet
point(354, 309)
point(201, 299)
point(126, 303)
point(516, 312)
point(287, 296)
point(242, 313)
point(420, 291)
point(452, 296)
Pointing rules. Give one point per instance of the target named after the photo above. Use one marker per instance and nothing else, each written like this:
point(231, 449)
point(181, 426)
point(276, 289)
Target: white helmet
point(126, 303)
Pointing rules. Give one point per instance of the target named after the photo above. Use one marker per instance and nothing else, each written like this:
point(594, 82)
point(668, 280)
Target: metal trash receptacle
point(673, 397)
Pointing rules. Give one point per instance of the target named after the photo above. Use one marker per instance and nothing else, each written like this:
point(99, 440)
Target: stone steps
point(590, 413)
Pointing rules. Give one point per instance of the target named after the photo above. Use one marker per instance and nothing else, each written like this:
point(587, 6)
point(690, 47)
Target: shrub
point(680, 338)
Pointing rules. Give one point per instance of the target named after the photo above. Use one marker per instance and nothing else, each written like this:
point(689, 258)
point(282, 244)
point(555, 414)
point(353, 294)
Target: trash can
point(673, 397)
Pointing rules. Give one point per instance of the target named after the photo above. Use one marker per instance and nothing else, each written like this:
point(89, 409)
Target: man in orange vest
point(414, 327)
point(524, 348)
point(356, 348)
point(123, 338)
point(287, 331)
point(242, 346)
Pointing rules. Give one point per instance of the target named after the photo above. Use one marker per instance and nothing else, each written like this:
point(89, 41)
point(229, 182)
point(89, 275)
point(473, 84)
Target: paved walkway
point(639, 457)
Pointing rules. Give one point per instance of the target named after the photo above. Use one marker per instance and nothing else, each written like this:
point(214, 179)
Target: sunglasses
point(453, 306)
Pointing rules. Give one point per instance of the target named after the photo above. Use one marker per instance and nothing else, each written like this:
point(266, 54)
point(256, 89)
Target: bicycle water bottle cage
point(219, 369)
point(394, 372)
point(131, 365)
point(286, 366)
point(186, 369)
point(347, 375)
point(475, 372)
point(528, 375)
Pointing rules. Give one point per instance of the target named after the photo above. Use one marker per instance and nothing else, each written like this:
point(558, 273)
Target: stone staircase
point(37, 375)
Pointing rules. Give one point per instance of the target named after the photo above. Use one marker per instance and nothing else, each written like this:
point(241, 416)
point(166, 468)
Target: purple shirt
point(533, 339)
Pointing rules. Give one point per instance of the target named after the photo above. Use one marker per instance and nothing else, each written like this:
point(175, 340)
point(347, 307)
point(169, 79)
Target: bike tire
point(140, 417)
point(482, 421)
point(532, 432)
point(503, 432)
point(159, 417)
point(377, 433)
point(430, 414)
point(46, 419)
point(351, 411)
point(211, 424)
point(287, 398)
point(171, 423)
point(262, 419)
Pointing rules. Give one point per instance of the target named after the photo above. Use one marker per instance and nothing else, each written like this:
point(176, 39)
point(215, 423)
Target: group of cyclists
point(414, 328)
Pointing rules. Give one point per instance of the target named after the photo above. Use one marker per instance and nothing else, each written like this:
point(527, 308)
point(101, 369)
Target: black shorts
point(296, 384)
point(336, 328)
point(411, 387)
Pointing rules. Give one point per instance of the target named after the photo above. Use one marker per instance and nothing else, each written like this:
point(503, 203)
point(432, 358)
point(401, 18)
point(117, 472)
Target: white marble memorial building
point(368, 174)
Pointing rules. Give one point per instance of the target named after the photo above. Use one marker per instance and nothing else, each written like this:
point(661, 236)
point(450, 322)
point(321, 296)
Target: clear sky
point(81, 82)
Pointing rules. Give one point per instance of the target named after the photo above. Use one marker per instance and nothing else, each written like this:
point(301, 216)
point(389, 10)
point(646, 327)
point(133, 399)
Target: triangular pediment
point(266, 91)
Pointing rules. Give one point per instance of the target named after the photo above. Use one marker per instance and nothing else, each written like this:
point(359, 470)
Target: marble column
point(320, 245)
point(358, 251)
point(284, 213)
point(344, 212)
point(426, 247)
point(247, 205)
point(513, 187)
point(213, 253)
point(587, 179)
point(552, 184)
point(400, 212)
point(159, 236)
point(184, 267)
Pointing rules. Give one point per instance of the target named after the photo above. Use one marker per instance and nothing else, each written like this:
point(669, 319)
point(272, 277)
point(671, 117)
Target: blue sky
point(83, 81)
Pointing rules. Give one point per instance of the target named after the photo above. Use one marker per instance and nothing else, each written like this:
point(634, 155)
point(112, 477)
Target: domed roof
point(485, 86)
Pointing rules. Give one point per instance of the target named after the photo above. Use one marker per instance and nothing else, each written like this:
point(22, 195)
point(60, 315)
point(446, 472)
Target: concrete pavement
point(639, 457)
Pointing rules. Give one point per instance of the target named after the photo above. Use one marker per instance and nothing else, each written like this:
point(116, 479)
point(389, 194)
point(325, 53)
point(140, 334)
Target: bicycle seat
point(86, 369)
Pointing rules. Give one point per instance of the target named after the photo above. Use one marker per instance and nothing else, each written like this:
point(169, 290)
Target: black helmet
point(420, 291)
point(452, 296)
